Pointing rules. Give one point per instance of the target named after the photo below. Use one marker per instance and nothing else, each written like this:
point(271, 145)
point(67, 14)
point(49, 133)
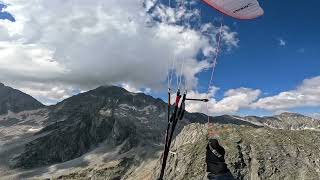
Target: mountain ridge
point(16, 101)
point(111, 119)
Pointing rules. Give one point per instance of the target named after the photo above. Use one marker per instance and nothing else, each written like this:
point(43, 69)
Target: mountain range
point(110, 133)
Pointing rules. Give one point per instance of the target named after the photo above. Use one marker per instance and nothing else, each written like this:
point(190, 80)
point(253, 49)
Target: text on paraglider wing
point(242, 8)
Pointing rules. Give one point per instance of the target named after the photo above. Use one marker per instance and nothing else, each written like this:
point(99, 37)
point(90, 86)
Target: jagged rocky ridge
point(286, 120)
point(107, 113)
point(252, 153)
point(130, 125)
point(81, 122)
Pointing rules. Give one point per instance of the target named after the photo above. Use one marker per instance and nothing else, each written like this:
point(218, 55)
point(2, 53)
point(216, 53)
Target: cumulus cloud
point(133, 89)
point(307, 94)
point(130, 88)
point(47, 93)
point(233, 101)
point(29, 61)
point(84, 44)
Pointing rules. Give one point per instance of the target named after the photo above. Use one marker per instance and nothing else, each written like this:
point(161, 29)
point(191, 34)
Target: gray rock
point(289, 121)
point(250, 153)
point(132, 126)
point(16, 101)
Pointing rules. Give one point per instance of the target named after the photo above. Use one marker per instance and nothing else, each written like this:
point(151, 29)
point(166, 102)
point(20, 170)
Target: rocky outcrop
point(83, 121)
point(288, 121)
point(251, 153)
point(108, 113)
point(110, 133)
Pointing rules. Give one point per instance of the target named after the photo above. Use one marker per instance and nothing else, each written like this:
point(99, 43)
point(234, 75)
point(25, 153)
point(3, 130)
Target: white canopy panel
point(240, 9)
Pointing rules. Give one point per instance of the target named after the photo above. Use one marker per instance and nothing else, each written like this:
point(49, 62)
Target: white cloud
point(58, 48)
point(89, 43)
point(47, 93)
point(229, 38)
point(29, 61)
point(134, 89)
point(233, 101)
point(306, 95)
point(282, 42)
point(130, 88)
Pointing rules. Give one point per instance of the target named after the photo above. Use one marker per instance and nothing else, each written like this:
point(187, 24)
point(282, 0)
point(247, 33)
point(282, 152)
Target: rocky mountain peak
point(16, 101)
point(295, 117)
point(286, 120)
point(106, 114)
point(291, 115)
point(132, 126)
point(109, 89)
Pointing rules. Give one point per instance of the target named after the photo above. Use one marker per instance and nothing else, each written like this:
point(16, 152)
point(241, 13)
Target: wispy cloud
point(282, 42)
point(301, 50)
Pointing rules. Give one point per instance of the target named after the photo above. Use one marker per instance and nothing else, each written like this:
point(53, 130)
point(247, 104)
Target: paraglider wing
point(239, 9)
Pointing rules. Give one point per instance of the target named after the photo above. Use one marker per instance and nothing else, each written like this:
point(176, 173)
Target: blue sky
point(4, 14)
point(275, 66)
point(276, 51)
point(261, 62)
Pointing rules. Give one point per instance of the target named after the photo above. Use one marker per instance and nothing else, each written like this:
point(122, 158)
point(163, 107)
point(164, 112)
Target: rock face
point(110, 133)
point(106, 114)
point(289, 121)
point(252, 153)
point(16, 101)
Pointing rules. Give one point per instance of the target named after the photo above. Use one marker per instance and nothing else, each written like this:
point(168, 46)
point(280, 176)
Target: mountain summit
point(107, 114)
point(110, 133)
point(16, 101)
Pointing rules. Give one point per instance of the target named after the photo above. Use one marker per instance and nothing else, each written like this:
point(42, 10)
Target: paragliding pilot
point(216, 167)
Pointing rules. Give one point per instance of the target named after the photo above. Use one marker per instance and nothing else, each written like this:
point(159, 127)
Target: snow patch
point(242, 119)
point(35, 129)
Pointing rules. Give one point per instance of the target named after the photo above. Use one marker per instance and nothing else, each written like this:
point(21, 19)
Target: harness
point(215, 152)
